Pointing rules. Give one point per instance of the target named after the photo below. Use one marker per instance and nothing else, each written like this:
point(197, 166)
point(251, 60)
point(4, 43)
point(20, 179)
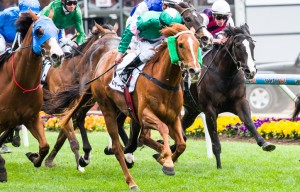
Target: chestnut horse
point(21, 94)
point(157, 106)
point(222, 87)
point(75, 70)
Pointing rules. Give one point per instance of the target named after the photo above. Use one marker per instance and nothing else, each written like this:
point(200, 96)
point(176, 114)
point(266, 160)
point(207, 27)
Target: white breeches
point(146, 50)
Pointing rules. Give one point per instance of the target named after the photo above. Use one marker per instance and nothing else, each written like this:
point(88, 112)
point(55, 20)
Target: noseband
point(233, 55)
point(201, 25)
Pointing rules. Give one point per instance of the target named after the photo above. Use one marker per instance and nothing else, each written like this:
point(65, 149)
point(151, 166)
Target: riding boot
point(129, 68)
point(45, 69)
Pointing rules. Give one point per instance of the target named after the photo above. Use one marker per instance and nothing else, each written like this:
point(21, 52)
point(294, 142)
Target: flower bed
point(227, 125)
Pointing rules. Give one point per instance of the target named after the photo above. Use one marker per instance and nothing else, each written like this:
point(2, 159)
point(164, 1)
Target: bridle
point(198, 28)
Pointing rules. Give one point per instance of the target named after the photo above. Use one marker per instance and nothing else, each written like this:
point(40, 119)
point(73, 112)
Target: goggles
point(219, 17)
point(69, 3)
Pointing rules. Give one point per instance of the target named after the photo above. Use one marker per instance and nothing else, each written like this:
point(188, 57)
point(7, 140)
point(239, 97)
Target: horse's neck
point(26, 64)
point(164, 71)
point(224, 62)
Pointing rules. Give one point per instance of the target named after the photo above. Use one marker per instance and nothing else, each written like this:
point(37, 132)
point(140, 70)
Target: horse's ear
point(99, 27)
point(116, 27)
point(245, 28)
point(51, 14)
point(192, 29)
point(176, 6)
point(33, 15)
point(191, 5)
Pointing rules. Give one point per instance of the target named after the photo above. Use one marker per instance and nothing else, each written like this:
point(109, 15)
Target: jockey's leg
point(130, 67)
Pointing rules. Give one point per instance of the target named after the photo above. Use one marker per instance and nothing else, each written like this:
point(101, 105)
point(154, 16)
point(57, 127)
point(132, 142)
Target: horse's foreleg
point(80, 117)
point(70, 133)
point(59, 143)
point(133, 139)
point(150, 121)
point(211, 122)
point(36, 128)
point(244, 113)
point(117, 148)
point(176, 134)
point(3, 173)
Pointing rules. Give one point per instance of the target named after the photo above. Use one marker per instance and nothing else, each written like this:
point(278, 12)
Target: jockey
point(8, 17)
point(66, 14)
point(147, 31)
point(216, 19)
point(145, 6)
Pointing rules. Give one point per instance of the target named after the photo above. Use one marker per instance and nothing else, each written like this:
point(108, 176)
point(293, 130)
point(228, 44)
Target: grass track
point(246, 167)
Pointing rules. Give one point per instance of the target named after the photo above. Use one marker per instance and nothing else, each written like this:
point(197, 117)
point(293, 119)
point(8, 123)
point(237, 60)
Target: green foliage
point(246, 167)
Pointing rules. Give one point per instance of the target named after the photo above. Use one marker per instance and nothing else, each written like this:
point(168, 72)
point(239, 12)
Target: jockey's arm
point(124, 43)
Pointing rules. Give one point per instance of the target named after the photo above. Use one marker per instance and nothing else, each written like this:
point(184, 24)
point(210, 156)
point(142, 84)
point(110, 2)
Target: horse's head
point(45, 38)
point(184, 49)
point(105, 30)
point(242, 49)
point(192, 18)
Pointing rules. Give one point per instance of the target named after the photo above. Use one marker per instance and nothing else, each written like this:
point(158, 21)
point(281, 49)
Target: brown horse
point(157, 106)
point(222, 87)
point(21, 94)
point(76, 70)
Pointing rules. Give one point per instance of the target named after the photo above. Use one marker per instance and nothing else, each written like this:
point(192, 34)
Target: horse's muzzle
point(194, 74)
point(56, 60)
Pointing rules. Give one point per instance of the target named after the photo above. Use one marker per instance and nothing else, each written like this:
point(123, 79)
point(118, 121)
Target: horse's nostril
point(204, 38)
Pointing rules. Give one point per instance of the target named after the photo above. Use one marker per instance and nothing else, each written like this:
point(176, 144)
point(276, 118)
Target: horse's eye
point(39, 32)
point(187, 19)
point(180, 45)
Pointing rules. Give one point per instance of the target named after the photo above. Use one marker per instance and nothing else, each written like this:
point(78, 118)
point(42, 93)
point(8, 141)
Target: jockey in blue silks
point(8, 18)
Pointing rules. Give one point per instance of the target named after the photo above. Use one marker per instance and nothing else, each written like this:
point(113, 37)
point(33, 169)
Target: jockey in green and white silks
point(147, 31)
point(66, 14)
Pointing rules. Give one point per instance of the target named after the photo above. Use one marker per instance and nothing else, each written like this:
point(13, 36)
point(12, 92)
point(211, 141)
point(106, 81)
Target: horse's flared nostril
point(204, 38)
point(56, 60)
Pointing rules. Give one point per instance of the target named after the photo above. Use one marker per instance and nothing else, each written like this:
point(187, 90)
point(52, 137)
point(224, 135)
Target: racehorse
point(75, 70)
point(20, 77)
point(222, 88)
point(156, 106)
point(192, 18)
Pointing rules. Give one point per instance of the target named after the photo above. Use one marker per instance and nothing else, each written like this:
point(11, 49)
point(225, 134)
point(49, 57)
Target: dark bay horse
point(192, 18)
point(21, 94)
point(221, 87)
point(157, 106)
point(76, 70)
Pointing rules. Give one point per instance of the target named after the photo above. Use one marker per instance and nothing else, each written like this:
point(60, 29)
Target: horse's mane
point(80, 48)
point(23, 23)
point(232, 31)
point(167, 32)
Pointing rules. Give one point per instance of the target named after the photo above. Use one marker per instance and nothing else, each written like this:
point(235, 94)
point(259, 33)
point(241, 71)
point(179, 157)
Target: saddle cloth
point(116, 82)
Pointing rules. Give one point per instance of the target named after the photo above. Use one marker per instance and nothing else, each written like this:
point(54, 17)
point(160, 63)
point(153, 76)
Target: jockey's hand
point(119, 57)
point(220, 41)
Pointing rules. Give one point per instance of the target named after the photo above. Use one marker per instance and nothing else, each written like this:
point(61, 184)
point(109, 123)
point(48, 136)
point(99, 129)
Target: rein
point(18, 84)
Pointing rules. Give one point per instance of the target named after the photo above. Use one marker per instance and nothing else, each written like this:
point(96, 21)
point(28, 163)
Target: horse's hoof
point(80, 169)
point(108, 151)
point(268, 146)
point(50, 164)
point(135, 187)
point(3, 176)
point(168, 170)
point(32, 157)
point(16, 142)
point(83, 162)
point(129, 160)
point(156, 156)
